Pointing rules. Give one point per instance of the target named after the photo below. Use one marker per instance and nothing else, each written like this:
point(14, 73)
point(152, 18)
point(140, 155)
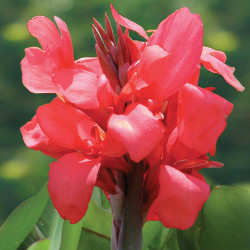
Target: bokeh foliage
point(226, 27)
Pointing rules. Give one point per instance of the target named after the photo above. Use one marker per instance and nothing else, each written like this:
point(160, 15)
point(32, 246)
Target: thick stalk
point(130, 237)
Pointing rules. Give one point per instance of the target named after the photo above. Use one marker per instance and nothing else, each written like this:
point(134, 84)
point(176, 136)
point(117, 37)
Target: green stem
point(130, 237)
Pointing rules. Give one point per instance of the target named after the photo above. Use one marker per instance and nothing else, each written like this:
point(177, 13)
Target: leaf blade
point(21, 221)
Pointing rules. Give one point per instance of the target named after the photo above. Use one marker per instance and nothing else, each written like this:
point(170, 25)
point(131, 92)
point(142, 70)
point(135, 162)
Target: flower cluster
point(136, 102)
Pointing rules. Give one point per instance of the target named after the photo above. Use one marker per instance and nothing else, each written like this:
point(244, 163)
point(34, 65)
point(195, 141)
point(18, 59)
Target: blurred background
point(226, 27)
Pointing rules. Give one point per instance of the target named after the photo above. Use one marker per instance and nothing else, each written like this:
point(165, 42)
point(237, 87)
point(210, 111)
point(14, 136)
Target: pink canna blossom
point(79, 153)
point(135, 104)
point(52, 69)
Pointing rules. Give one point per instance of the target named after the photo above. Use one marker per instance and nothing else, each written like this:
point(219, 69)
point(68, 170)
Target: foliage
point(22, 172)
point(224, 214)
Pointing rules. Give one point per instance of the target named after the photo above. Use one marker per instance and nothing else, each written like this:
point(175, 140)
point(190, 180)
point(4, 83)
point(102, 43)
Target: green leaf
point(171, 241)
point(91, 240)
point(98, 218)
point(93, 230)
point(21, 221)
point(100, 199)
point(226, 219)
point(96, 224)
point(185, 239)
point(154, 235)
point(49, 226)
point(70, 235)
point(41, 245)
point(223, 223)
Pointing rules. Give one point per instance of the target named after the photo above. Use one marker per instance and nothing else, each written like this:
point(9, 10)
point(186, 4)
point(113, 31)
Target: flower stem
point(130, 236)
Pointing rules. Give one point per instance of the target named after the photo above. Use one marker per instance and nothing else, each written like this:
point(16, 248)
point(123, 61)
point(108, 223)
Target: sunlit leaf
point(48, 226)
point(96, 224)
point(92, 240)
point(223, 223)
point(21, 221)
point(41, 245)
point(98, 220)
point(154, 235)
point(70, 235)
point(226, 219)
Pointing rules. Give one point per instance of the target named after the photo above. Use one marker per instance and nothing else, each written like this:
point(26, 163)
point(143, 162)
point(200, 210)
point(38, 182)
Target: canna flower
point(52, 69)
point(80, 159)
point(194, 118)
point(181, 190)
point(167, 62)
point(163, 52)
point(136, 103)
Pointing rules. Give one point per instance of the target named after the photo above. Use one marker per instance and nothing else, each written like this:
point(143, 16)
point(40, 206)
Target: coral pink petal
point(32, 134)
point(112, 147)
point(106, 181)
point(181, 197)
point(152, 213)
point(201, 117)
point(105, 93)
point(45, 31)
point(137, 129)
point(220, 55)
point(34, 138)
point(99, 116)
point(181, 36)
point(78, 86)
point(216, 66)
point(118, 163)
point(71, 182)
point(37, 68)
point(152, 64)
point(90, 64)
point(194, 79)
point(176, 151)
point(128, 24)
point(65, 125)
point(68, 55)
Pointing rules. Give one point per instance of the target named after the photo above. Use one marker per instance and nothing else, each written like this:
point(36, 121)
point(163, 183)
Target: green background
point(226, 27)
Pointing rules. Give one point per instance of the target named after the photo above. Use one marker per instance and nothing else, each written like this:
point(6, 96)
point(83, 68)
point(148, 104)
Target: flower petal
point(71, 182)
point(37, 68)
point(201, 117)
point(220, 55)
point(112, 147)
point(106, 181)
point(128, 24)
point(137, 129)
point(181, 36)
point(34, 138)
point(152, 64)
point(181, 197)
point(78, 86)
point(118, 163)
point(214, 65)
point(65, 125)
point(45, 31)
point(105, 94)
point(67, 48)
point(152, 213)
point(176, 151)
point(90, 64)
point(99, 115)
